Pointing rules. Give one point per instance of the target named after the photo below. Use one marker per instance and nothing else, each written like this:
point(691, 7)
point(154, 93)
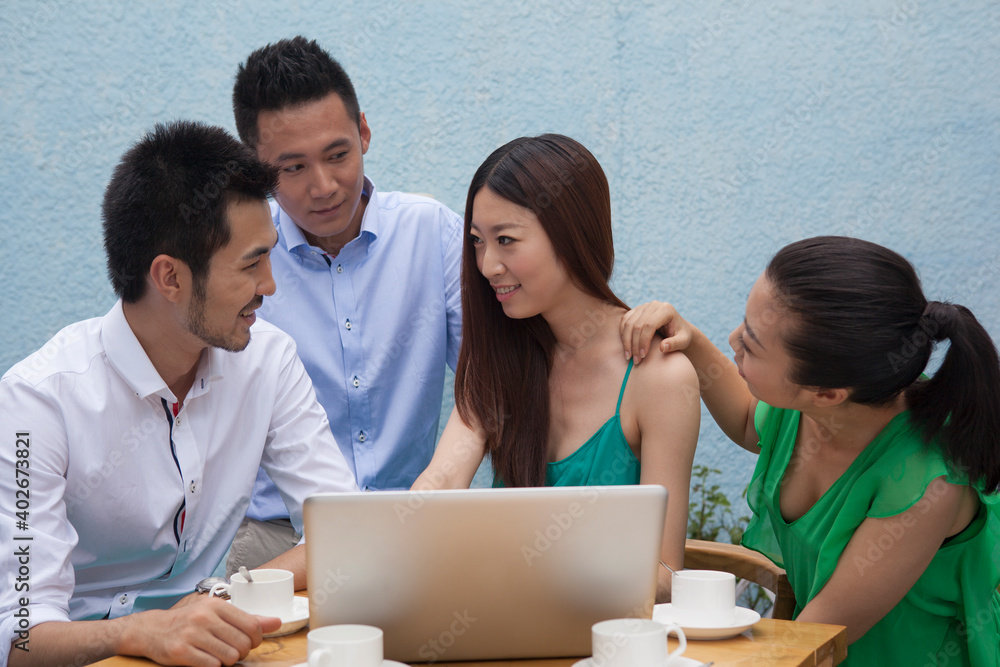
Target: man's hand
point(202, 633)
point(197, 631)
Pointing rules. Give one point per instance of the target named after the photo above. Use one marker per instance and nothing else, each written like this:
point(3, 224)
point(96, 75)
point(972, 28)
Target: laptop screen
point(479, 574)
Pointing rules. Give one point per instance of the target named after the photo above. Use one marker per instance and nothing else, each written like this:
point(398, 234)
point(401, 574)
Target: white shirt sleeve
point(37, 537)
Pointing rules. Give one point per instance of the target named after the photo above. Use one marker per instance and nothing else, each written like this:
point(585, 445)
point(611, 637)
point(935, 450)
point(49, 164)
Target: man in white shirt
point(132, 441)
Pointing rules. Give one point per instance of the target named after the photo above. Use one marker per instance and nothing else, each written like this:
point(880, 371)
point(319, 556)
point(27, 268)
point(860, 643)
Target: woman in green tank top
point(875, 487)
point(543, 385)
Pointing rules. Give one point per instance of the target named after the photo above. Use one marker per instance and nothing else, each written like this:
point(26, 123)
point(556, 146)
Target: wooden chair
point(745, 564)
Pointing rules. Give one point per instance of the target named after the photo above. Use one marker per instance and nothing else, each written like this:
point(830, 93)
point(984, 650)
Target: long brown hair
point(863, 322)
point(503, 368)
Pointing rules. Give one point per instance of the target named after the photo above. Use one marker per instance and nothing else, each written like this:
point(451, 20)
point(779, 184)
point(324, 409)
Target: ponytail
point(960, 405)
point(862, 322)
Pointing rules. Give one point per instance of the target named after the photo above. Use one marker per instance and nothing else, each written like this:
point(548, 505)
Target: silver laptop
point(482, 574)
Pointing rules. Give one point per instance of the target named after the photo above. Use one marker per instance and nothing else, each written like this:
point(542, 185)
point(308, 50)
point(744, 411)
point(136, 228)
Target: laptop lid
point(480, 574)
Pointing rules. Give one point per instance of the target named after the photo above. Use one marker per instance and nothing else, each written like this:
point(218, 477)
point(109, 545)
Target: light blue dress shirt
point(375, 327)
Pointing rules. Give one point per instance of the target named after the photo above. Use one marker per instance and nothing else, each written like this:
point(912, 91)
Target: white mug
point(705, 598)
point(271, 593)
point(633, 642)
point(345, 646)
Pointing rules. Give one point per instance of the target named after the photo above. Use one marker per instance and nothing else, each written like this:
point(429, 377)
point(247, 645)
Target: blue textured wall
point(727, 129)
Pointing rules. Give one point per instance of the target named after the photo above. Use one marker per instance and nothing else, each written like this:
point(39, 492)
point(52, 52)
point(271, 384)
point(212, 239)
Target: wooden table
point(769, 643)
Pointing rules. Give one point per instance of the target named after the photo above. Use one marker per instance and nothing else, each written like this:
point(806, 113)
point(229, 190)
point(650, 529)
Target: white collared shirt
point(129, 506)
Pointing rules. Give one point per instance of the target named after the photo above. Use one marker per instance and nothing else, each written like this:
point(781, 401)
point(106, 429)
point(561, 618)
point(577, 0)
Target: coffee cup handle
point(320, 657)
point(681, 640)
point(219, 588)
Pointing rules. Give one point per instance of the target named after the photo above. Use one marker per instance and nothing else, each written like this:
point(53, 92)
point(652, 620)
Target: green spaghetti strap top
point(604, 459)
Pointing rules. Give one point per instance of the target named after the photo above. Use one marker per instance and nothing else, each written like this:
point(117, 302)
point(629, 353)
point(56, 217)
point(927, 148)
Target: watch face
point(205, 585)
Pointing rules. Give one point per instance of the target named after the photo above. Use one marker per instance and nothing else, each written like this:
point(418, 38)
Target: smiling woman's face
point(515, 255)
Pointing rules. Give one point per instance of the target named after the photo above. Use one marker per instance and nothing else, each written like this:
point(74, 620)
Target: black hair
point(502, 379)
point(169, 195)
point(862, 322)
point(287, 73)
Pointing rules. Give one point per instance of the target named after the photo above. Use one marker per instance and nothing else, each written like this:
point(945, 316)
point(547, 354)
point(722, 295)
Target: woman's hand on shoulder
point(639, 325)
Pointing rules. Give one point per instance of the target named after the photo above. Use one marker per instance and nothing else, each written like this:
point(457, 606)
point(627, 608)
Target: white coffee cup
point(704, 598)
point(345, 646)
point(633, 642)
point(271, 593)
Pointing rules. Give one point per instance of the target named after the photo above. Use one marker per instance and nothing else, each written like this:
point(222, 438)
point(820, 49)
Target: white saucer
point(385, 663)
point(295, 622)
point(679, 661)
point(665, 613)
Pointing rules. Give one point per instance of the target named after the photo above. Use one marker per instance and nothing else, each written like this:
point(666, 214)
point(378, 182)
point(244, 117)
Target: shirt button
point(178, 421)
point(193, 487)
point(340, 269)
point(362, 437)
point(357, 382)
point(348, 325)
point(123, 599)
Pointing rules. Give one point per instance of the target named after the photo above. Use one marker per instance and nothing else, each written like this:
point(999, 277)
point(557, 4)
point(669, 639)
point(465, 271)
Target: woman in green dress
point(543, 385)
point(876, 487)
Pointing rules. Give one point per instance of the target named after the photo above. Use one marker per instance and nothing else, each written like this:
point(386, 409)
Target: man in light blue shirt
point(367, 281)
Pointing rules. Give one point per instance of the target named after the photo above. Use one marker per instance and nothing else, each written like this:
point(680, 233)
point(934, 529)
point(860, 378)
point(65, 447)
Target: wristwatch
point(205, 585)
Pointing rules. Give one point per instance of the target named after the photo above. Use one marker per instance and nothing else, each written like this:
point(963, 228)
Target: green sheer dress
point(951, 616)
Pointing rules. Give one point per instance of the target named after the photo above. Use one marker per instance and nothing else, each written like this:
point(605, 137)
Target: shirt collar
point(126, 356)
point(294, 240)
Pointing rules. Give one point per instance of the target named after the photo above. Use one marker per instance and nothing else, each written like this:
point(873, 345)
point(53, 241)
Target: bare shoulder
point(665, 373)
point(663, 397)
point(662, 410)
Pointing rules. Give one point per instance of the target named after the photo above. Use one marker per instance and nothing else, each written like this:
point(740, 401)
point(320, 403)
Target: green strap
point(621, 393)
